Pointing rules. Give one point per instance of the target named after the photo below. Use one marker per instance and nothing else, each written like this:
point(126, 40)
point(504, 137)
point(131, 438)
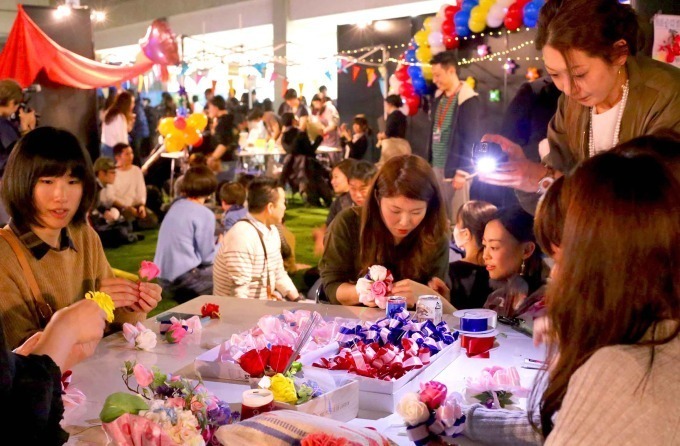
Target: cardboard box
point(209, 366)
point(341, 404)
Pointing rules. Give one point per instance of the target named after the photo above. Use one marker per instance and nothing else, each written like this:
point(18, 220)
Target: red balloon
point(180, 123)
point(512, 22)
point(160, 44)
point(448, 27)
point(406, 89)
point(413, 103)
point(450, 41)
point(402, 74)
point(450, 11)
point(515, 10)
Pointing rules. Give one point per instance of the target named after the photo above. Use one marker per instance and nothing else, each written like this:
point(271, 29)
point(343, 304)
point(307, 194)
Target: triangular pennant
point(328, 75)
point(371, 76)
point(285, 86)
point(301, 85)
point(356, 69)
point(383, 86)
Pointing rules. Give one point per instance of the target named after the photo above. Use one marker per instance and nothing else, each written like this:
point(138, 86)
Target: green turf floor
point(300, 220)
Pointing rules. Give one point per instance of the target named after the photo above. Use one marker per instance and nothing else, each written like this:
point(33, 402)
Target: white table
point(100, 375)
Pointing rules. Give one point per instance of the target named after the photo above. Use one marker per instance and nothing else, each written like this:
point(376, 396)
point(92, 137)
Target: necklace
point(617, 129)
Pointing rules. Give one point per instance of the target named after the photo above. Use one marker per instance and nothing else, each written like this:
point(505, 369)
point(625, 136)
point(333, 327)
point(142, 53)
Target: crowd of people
point(583, 253)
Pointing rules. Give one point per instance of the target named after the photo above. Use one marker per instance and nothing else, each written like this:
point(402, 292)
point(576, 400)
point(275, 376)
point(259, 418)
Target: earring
point(524, 267)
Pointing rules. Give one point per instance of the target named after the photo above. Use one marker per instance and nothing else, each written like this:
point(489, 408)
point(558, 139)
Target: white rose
point(377, 272)
point(146, 340)
point(412, 410)
point(363, 288)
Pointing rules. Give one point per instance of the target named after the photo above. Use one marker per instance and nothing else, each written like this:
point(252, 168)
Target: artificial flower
point(495, 387)
point(279, 357)
point(412, 410)
point(148, 270)
point(378, 272)
point(254, 362)
point(283, 389)
point(104, 301)
point(143, 375)
point(175, 333)
point(210, 310)
point(146, 340)
point(433, 394)
point(450, 411)
point(323, 439)
point(375, 286)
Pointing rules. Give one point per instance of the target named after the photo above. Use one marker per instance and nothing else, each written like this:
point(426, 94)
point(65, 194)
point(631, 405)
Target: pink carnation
point(148, 270)
point(175, 333)
point(143, 375)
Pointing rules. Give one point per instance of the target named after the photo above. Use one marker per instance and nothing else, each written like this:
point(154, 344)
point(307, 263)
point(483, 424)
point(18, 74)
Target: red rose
point(253, 362)
point(433, 394)
point(211, 310)
point(280, 355)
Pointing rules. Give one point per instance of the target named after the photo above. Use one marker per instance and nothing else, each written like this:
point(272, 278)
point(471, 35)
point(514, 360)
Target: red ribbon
point(476, 346)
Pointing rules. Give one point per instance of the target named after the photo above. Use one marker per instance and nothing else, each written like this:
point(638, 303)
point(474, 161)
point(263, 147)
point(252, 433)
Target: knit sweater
point(239, 269)
point(129, 187)
point(63, 277)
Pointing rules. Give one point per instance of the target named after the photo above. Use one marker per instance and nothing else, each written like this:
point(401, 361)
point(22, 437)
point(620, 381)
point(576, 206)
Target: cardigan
point(340, 262)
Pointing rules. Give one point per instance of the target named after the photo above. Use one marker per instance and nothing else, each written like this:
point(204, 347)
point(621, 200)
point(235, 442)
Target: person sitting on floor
point(186, 242)
point(129, 189)
point(249, 262)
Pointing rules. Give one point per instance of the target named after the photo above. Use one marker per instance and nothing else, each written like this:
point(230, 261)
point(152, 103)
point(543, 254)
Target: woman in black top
point(359, 142)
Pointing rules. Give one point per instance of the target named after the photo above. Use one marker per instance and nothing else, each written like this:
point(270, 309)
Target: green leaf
point(120, 403)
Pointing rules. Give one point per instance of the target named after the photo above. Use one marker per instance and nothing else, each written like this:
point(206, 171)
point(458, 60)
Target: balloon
point(413, 103)
point(450, 11)
point(174, 143)
point(198, 121)
point(180, 123)
point(411, 56)
point(461, 18)
point(450, 42)
point(512, 22)
point(160, 44)
point(423, 54)
point(194, 138)
point(437, 49)
point(477, 26)
point(463, 31)
point(420, 37)
point(165, 126)
point(420, 85)
point(427, 72)
point(468, 5)
point(505, 3)
point(394, 82)
point(436, 24)
point(402, 74)
point(478, 14)
point(448, 27)
point(531, 14)
point(415, 73)
point(435, 38)
point(406, 89)
point(486, 4)
point(427, 24)
point(494, 18)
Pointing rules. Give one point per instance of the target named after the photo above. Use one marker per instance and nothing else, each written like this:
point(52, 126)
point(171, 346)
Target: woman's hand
point(123, 292)
point(519, 172)
point(149, 296)
point(410, 290)
point(440, 287)
point(28, 346)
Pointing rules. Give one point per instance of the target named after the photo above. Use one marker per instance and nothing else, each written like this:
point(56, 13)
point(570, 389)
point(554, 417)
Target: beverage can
point(395, 304)
point(429, 308)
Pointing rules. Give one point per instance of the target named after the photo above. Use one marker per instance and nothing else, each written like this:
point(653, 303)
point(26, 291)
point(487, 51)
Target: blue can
point(395, 304)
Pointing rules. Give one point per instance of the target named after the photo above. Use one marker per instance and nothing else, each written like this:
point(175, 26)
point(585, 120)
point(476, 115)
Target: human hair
point(288, 119)
point(122, 105)
point(362, 170)
point(318, 98)
point(618, 276)
point(474, 215)
point(664, 143)
point(218, 102)
point(520, 225)
point(255, 114)
point(591, 26)
point(198, 181)
point(549, 220)
point(10, 90)
point(267, 105)
point(233, 193)
point(208, 91)
point(322, 89)
point(45, 152)
point(446, 59)
point(245, 179)
point(394, 100)
point(345, 166)
point(197, 159)
point(261, 192)
point(118, 148)
point(290, 94)
point(362, 122)
point(410, 177)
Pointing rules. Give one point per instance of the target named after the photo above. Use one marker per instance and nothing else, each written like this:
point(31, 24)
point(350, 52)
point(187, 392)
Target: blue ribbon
point(474, 325)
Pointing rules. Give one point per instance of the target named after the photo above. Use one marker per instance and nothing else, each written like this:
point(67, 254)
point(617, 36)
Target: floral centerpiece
point(431, 412)
point(163, 410)
point(375, 286)
point(495, 388)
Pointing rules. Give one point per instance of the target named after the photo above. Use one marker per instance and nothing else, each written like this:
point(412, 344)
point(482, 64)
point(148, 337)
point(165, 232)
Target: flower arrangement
point(185, 412)
point(431, 412)
point(324, 439)
point(375, 286)
point(495, 388)
point(174, 330)
point(139, 336)
point(210, 310)
point(148, 271)
point(104, 301)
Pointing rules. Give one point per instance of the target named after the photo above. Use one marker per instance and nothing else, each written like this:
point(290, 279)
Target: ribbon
point(425, 432)
point(476, 321)
point(477, 346)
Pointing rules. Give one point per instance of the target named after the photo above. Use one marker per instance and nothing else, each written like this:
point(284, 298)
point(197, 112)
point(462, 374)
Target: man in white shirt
point(129, 188)
point(249, 263)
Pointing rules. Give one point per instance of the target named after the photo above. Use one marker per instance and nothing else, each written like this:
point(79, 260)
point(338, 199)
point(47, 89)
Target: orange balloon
point(197, 120)
point(194, 138)
point(165, 126)
point(174, 143)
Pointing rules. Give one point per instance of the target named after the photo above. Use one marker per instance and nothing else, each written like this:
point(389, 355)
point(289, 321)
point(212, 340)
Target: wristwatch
point(545, 182)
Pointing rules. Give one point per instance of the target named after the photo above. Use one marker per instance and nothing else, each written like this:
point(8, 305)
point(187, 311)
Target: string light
point(496, 54)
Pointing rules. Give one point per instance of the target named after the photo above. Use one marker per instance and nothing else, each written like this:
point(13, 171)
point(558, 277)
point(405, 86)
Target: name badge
point(437, 136)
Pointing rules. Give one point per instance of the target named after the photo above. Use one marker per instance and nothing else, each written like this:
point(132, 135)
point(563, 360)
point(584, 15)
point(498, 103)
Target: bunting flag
point(371, 76)
point(274, 76)
point(214, 84)
point(328, 75)
point(285, 86)
point(301, 85)
point(356, 69)
point(383, 72)
point(140, 83)
point(342, 66)
point(231, 84)
point(260, 67)
point(383, 86)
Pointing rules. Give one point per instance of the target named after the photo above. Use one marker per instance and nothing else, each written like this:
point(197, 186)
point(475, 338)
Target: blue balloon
point(419, 85)
point(415, 72)
point(530, 23)
point(410, 56)
point(531, 13)
point(468, 5)
point(461, 18)
point(462, 31)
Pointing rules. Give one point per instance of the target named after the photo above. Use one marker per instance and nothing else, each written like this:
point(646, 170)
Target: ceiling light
point(62, 11)
point(364, 25)
point(98, 16)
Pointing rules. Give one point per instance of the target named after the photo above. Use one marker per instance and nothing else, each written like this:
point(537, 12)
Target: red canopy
point(29, 50)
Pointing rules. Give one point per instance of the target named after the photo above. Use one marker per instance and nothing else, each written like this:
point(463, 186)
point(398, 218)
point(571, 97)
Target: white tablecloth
point(100, 375)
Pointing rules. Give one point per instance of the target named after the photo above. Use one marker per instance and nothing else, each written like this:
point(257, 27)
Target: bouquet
point(495, 388)
point(375, 286)
point(139, 336)
point(431, 413)
point(163, 410)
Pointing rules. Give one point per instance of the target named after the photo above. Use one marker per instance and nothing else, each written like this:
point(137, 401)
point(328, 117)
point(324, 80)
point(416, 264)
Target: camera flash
point(486, 165)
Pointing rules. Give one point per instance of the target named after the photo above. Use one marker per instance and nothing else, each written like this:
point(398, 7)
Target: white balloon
point(435, 38)
point(436, 24)
point(436, 49)
point(494, 21)
point(505, 3)
point(394, 82)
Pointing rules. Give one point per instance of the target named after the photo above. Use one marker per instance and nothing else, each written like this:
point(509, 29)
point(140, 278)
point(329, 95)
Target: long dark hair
point(411, 177)
point(592, 26)
point(122, 104)
point(618, 276)
point(549, 221)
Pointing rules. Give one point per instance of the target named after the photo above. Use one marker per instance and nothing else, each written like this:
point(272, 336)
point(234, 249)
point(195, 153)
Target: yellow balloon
point(427, 72)
point(174, 142)
point(471, 81)
point(427, 24)
point(478, 14)
point(423, 54)
point(486, 4)
point(198, 121)
point(477, 26)
point(165, 126)
point(421, 37)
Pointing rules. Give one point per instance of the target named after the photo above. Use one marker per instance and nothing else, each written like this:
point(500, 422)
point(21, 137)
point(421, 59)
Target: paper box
point(341, 404)
point(208, 365)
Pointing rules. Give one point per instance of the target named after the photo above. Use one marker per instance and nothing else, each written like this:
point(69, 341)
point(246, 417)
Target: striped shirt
point(239, 268)
point(446, 110)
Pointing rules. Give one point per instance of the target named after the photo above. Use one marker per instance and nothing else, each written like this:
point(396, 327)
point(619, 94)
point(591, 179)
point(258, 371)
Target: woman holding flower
point(49, 186)
point(401, 227)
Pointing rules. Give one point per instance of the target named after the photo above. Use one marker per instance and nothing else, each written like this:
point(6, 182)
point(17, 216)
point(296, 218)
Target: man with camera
point(16, 119)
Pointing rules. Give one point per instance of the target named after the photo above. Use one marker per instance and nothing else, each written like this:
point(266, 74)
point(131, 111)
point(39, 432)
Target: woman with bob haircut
point(402, 226)
point(49, 187)
point(613, 307)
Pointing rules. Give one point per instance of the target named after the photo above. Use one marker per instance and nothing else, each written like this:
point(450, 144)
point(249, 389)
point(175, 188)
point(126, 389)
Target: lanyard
point(450, 102)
